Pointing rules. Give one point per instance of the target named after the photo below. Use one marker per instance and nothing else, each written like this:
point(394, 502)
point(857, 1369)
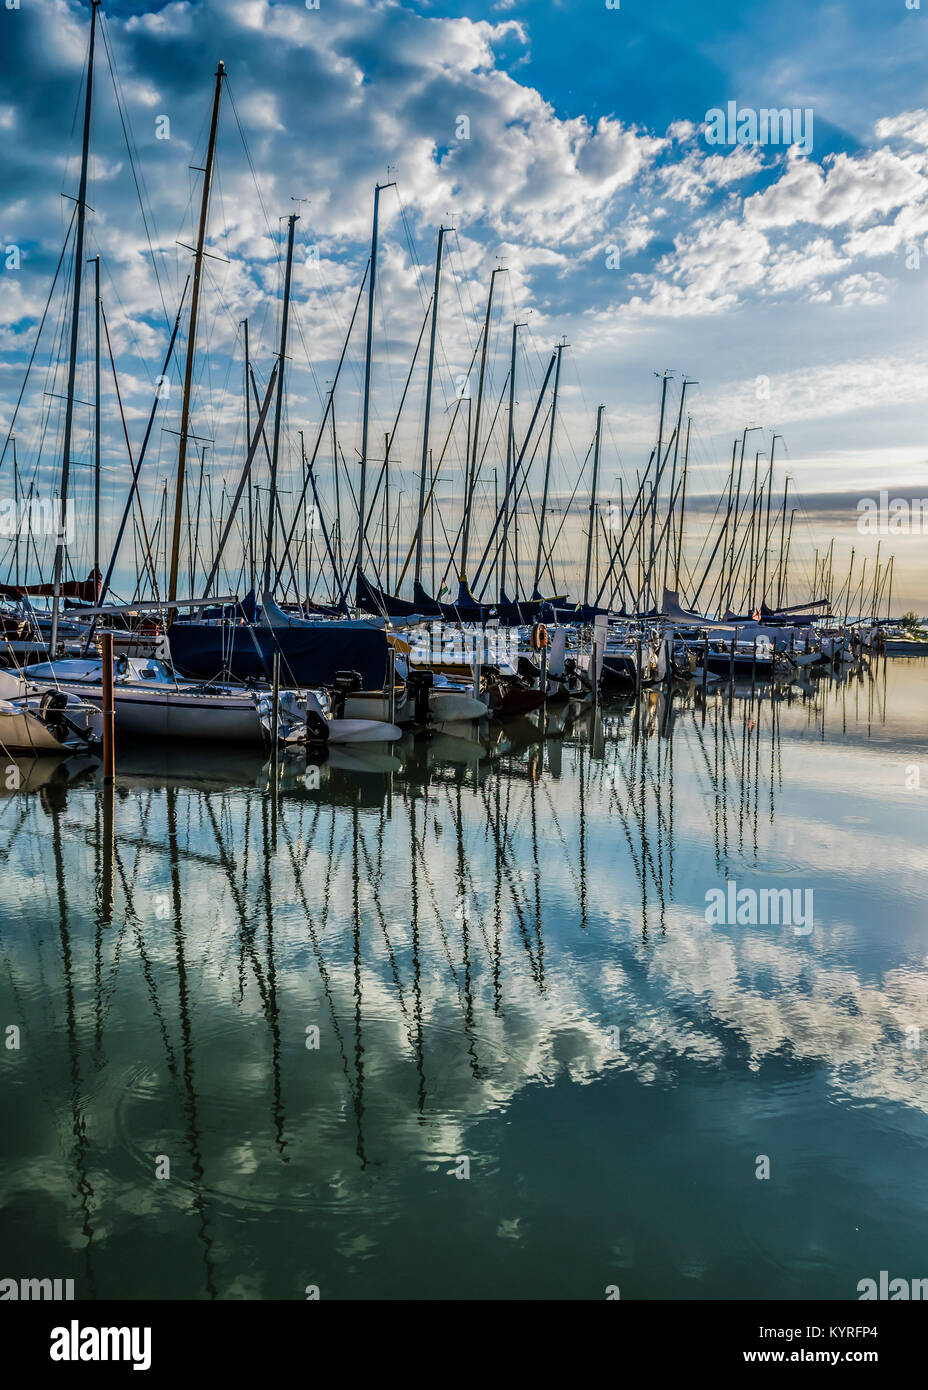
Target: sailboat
point(150, 702)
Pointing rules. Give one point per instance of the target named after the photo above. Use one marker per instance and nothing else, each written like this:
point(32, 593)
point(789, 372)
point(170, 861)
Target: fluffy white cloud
point(692, 179)
point(841, 189)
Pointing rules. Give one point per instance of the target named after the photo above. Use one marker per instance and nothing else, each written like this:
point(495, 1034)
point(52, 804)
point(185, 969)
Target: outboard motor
point(317, 726)
point(346, 682)
point(52, 708)
point(420, 684)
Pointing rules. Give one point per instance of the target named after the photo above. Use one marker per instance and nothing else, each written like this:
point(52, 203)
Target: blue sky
point(786, 284)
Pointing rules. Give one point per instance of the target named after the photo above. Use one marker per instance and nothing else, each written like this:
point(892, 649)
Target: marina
point(463, 755)
point(313, 625)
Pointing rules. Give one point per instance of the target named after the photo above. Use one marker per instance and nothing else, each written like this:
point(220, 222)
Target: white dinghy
point(322, 727)
point(50, 722)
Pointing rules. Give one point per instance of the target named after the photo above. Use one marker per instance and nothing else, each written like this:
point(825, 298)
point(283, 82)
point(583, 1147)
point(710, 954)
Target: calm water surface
point(504, 948)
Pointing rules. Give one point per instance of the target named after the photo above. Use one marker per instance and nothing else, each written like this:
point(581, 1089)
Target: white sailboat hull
point(163, 712)
point(172, 714)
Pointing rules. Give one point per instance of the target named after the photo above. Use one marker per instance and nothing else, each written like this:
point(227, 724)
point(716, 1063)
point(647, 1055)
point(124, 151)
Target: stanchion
point(275, 749)
point(275, 696)
point(109, 836)
point(109, 779)
point(109, 717)
point(391, 684)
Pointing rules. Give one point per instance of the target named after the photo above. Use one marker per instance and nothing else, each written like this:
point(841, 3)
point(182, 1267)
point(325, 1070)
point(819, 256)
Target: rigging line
point(468, 322)
point(38, 336)
point(254, 175)
point(497, 511)
point(399, 411)
point(477, 480)
point(413, 253)
point(572, 365)
point(126, 321)
point(473, 307)
point(532, 337)
point(329, 404)
point(445, 373)
point(77, 107)
point(109, 350)
point(702, 548)
point(124, 122)
point(332, 307)
point(295, 315)
point(557, 533)
point(435, 471)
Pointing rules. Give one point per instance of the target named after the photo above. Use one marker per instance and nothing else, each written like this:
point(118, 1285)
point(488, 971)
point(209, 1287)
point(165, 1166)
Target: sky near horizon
point(566, 143)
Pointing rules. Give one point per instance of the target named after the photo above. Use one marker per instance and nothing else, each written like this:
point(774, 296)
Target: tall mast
point(16, 512)
point(516, 470)
point(734, 523)
point(875, 581)
point(423, 466)
point(773, 445)
point(338, 494)
point(96, 433)
point(510, 450)
point(724, 536)
point(368, 358)
point(544, 495)
point(673, 480)
point(475, 442)
point(470, 426)
point(657, 479)
point(589, 539)
point(386, 502)
point(192, 339)
point(251, 504)
point(753, 533)
point(789, 541)
point(75, 324)
point(624, 576)
point(782, 536)
point(278, 405)
point(686, 460)
point(737, 514)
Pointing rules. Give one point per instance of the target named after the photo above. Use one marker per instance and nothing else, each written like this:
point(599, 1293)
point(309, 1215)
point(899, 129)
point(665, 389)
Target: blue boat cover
point(309, 654)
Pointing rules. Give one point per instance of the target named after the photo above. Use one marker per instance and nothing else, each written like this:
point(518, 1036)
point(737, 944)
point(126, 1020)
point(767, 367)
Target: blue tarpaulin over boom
point(375, 600)
point(309, 655)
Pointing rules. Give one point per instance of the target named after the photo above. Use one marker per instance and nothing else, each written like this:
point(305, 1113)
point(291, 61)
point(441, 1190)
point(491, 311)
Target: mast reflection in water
point(453, 1023)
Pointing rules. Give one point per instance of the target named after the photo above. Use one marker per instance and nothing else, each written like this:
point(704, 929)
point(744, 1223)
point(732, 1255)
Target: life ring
point(539, 638)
